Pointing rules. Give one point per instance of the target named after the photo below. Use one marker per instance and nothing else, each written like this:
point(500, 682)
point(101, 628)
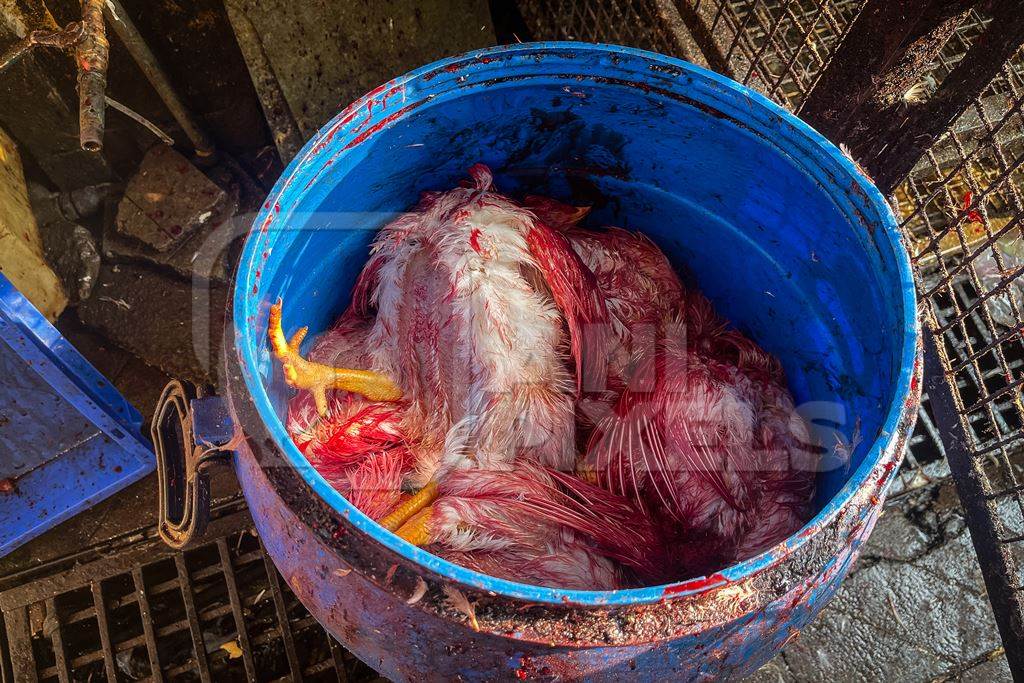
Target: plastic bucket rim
point(245, 308)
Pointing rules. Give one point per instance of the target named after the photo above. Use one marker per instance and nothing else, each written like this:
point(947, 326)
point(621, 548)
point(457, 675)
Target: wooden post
point(886, 50)
point(912, 133)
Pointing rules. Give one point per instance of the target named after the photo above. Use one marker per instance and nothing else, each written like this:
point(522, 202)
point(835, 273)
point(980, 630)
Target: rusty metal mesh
point(636, 23)
point(960, 208)
point(963, 207)
point(778, 47)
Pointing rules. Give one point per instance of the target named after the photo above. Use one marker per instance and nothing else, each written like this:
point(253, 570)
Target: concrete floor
point(913, 609)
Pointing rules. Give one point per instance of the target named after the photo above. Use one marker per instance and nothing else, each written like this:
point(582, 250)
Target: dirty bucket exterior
point(68, 439)
point(771, 221)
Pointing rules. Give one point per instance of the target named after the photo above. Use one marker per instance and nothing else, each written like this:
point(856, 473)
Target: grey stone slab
point(168, 200)
point(203, 255)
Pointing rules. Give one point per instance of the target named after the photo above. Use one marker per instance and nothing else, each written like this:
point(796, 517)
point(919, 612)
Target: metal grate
point(647, 24)
point(778, 47)
point(219, 612)
point(964, 214)
point(970, 272)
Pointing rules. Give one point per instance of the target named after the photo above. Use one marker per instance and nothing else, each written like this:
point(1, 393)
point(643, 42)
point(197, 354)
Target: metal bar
point(156, 671)
point(282, 617)
point(115, 560)
point(141, 120)
point(163, 587)
point(702, 30)
point(1007, 604)
point(107, 558)
point(147, 61)
point(1000, 445)
point(994, 395)
point(741, 31)
point(64, 39)
point(961, 166)
point(338, 659)
point(981, 299)
point(278, 114)
point(60, 653)
point(91, 56)
point(775, 87)
point(980, 246)
point(677, 33)
point(188, 596)
point(963, 346)
point(757, 67)
point(16, 51)
point(840, 33)
point(99, 604)
point(925, 419)
point(19, 640)
point(236, 607)
point(885, 50)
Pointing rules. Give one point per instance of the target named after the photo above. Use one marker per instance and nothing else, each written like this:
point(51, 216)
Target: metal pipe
point(141, 120)
point(144, 57)
point(287, 136)
point(92, 54)
point(65, 39)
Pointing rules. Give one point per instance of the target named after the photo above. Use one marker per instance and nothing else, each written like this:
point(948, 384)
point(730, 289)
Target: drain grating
point(219, 612)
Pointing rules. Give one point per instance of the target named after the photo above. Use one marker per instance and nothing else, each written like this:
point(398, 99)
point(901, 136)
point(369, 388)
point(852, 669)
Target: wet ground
point(914, 608)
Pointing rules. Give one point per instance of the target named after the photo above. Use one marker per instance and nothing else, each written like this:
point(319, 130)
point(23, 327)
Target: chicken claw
point(318, 378)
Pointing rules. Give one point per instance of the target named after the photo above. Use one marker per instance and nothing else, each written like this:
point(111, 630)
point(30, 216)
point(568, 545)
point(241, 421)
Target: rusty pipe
point(65, 39)
point(92, 56)
point(144, 57)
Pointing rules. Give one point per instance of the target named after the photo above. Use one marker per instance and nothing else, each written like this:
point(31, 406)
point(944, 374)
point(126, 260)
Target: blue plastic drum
point(769, 219)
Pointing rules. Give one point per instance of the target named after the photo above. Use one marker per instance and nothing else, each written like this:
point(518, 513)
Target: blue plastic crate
point(68, 439)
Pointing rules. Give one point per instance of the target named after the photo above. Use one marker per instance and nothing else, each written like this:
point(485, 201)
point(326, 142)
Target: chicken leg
point(418, 529)
point(318, 378)
point(410, 508)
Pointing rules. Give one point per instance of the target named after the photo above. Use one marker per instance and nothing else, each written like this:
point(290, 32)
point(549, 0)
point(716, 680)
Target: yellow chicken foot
point(410, 508)
point(318, 378)
point(417, 529)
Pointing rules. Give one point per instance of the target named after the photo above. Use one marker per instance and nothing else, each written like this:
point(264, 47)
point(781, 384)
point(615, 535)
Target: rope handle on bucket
point(183, 460)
